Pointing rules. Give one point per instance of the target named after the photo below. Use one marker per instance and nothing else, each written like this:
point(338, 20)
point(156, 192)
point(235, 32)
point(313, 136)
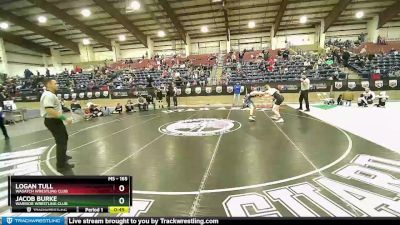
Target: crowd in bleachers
point(245, 67)
point(262, 67)
point(376, 66)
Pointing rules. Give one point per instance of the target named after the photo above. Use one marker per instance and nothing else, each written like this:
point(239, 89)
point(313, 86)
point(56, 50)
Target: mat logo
point(81, 95)
point(379, 83)
point(229, 89)
point(338, 85)
point(351, 84)
point(58, 96)
point(97, 94)
point(89, 94)
point(197, 90)
point(350, 201)
point(188, 91)
point(392, 83)
point(200, 127)
point(365, 84)
point(66, 96)
point(178, 91)
point(218, 89)
point(208, 90)
point(105, 93)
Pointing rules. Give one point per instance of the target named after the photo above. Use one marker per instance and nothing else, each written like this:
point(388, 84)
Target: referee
point(51, 110)
point(305, 87)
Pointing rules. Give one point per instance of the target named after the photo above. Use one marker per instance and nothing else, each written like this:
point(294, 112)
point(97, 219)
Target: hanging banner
point(379, 83)
point(218, 89)
point(197, 90)
point(392, 83)
point(365, 84)
point(338, 85)
point(351, 85)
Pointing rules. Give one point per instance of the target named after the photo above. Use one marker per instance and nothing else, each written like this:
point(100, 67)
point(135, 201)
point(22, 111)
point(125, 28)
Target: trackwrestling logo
point(200, 127)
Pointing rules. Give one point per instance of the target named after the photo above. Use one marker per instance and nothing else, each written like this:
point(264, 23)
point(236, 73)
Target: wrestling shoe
point(280, 120)
point(274, 117)
point(252, 119)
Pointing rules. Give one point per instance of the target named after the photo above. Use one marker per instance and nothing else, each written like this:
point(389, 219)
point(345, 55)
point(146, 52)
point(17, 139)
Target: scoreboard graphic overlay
point(86, 194)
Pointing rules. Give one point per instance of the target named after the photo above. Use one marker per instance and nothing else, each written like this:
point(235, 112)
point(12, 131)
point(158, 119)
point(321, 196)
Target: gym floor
point(199, 161)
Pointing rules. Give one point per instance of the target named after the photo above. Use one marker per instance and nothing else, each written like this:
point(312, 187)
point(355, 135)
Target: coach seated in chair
point(142, 103)
point(369, 96)
point(129, 107)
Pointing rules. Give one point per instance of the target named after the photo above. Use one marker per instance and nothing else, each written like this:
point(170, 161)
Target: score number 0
point(121, 200)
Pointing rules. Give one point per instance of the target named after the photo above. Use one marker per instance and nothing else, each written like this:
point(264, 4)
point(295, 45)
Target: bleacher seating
point(386, 63)
point(250, 72)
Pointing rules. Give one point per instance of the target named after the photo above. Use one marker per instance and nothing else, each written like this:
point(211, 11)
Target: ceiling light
point(161, 33)
point(204, 29)
point(303, 19)
point(135, 5)
point(252, 24)
point(216, 0)
point(4, 25)
point(359, 14)
point(86, 41)
point(86, 12)
point(121, 37)
point(42, 19)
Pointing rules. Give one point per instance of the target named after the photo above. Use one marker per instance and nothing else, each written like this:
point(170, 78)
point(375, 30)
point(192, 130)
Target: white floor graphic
point(379, 125)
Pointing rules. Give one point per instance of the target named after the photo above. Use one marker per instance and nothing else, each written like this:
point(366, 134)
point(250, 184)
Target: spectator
point(361, 102)
point(47, 72)
point(348, 98)
point(95, 110)
point(143, 105)
point(346, 57)
point(2, 115)
point(382, 99)
point(129, 107)
point(339, 100)
point(150, 100)
point(75, 106)
point(170, 93)
point(64, 108)
point(150, 81)
point(159, 97)
point(241, 56)
point(369, 96)
point(175, 97)
point(236, 94)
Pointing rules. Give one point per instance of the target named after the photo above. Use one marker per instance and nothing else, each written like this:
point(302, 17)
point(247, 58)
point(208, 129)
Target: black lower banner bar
point(211, 221)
